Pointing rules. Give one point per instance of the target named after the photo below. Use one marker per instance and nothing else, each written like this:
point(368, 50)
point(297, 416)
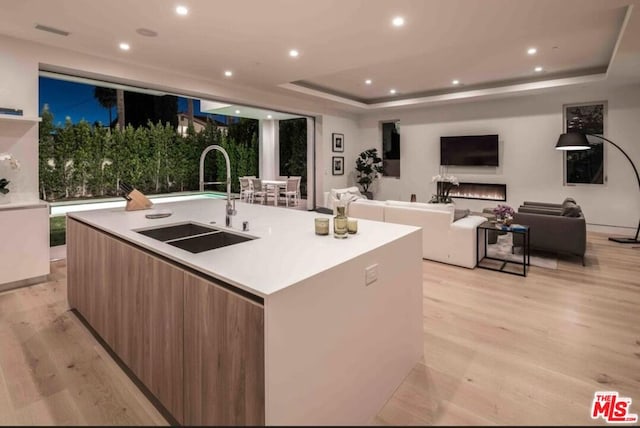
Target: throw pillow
point(568, 201)
point(458, 214)
point(570, 209)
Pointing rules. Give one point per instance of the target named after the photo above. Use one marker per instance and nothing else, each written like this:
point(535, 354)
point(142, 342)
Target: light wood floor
point(499, 349)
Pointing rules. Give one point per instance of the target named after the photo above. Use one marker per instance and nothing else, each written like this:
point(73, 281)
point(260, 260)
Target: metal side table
point(486, 262)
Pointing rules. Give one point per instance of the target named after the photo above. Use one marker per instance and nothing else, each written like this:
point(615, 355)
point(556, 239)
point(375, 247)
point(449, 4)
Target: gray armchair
point(551, 231)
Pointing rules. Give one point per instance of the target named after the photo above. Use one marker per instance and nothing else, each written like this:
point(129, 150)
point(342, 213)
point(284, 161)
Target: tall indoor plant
point(368, 168)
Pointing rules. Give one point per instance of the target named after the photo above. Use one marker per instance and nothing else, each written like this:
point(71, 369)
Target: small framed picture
point(338, 165)
point(338, 142)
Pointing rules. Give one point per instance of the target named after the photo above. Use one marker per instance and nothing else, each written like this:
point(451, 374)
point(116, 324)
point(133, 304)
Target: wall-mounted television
point(470, 150)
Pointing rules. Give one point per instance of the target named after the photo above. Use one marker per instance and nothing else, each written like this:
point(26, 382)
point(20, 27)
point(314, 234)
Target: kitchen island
point(287, 328)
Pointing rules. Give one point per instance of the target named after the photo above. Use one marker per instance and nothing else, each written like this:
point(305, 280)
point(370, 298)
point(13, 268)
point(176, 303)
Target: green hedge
point(88, 161)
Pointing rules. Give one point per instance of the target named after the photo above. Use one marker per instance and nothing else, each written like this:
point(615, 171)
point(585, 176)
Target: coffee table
point(487, 262)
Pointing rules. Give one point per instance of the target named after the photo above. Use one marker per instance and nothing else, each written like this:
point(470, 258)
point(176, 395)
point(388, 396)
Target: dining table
point(276, 183)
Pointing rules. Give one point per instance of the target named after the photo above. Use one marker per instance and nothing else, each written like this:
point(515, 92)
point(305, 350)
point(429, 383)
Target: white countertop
point(287, 251)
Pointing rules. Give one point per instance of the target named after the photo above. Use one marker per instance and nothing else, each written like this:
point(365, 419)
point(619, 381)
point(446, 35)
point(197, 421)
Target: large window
point(586, 166)
point(391, 148)
point(93, 137)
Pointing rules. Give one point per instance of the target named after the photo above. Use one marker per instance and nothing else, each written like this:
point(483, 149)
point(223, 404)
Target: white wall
point(325, 126)
point(528, 128)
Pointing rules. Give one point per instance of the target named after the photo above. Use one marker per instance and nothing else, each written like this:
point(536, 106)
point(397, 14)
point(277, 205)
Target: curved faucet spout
point(230, 208)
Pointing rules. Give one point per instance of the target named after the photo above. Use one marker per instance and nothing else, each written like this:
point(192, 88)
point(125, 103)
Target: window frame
point(384, 174)
point(565, 169)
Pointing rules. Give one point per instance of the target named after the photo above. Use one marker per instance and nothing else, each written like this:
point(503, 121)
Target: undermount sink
point(195, 238)
point(177, 231)
point(210, 241)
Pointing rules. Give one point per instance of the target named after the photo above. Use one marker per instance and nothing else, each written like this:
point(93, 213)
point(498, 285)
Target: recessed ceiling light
point(368, 82)
point(269, 116)
point(532, 51)
point(293, 53)
point(237, 111)
point(538, 69)
point(125, 46)
point(182, 10)
point(228, 73)
point(398, 21)
point(392, 91)
point(455, 82)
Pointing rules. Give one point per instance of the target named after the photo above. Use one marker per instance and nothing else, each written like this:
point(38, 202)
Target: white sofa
point(443, 239)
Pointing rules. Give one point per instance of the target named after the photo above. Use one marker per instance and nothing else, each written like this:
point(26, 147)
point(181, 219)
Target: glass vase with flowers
point(504, 214)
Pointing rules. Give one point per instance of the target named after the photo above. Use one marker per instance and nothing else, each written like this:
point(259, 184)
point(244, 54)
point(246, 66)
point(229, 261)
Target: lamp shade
point(573, 141)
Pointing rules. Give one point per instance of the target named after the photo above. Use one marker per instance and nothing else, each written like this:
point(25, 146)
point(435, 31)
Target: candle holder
point(322, 226)
point(352, 226)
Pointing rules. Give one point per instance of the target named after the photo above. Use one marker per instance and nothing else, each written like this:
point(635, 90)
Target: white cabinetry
point(24, 242)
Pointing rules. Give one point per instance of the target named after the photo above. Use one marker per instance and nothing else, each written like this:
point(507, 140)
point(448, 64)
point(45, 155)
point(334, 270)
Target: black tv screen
point(471, 150)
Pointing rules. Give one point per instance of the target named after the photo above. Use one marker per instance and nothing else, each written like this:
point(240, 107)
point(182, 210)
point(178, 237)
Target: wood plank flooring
point(507, 350)
point(499, 349)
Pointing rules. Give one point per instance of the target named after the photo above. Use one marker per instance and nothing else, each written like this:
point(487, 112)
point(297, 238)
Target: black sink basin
point(194, 237)
point(167, 233)
point(211, 241)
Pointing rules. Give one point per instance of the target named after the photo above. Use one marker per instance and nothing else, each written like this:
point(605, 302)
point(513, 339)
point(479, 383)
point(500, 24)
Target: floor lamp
point(578, 141)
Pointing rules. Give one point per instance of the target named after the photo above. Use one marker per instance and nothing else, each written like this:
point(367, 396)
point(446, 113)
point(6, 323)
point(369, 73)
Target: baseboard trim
point(611, 229)
point(23, 283)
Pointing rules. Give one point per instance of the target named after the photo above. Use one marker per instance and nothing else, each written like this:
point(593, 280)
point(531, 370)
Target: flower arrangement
point(442, 192)
point(503, 211)
point(13, 162)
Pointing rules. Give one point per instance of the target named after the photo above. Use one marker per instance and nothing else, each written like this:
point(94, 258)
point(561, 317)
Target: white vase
point(5, 198)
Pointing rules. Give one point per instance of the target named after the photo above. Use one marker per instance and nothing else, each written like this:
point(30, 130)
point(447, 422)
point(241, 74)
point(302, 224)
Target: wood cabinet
point(87, 275)
point(198, 347)
point(163, 351)
point(134, 301)
point(224, 356)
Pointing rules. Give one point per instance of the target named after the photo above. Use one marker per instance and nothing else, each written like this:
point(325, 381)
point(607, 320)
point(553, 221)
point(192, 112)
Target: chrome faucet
point(231, 208)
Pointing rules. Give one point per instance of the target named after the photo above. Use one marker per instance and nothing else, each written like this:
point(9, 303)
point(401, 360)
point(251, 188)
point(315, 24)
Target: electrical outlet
point(371, 274)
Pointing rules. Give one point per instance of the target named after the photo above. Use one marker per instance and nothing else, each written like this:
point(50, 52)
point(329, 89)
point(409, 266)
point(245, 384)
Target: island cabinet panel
point(76, 295)
point(89, 277)
point(130, 293)
point(224, 356)
point(135, 302)
point(163, 338)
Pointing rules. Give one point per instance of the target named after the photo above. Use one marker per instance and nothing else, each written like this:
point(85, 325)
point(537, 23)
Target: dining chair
point(257, 189)
point(292, 190)
point(246, 192)
point(272, 190)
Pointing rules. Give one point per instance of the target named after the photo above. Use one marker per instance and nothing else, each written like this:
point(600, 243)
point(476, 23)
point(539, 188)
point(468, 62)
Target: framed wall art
point(338, 165)
point(338, 142)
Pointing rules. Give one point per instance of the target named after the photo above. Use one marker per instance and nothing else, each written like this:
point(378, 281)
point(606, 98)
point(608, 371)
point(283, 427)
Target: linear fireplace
point(484, 191)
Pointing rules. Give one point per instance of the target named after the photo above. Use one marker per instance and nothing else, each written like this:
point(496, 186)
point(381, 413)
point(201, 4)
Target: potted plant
point(368, 168)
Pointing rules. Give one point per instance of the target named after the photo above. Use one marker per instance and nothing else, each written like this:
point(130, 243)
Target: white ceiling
point(341, 42)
